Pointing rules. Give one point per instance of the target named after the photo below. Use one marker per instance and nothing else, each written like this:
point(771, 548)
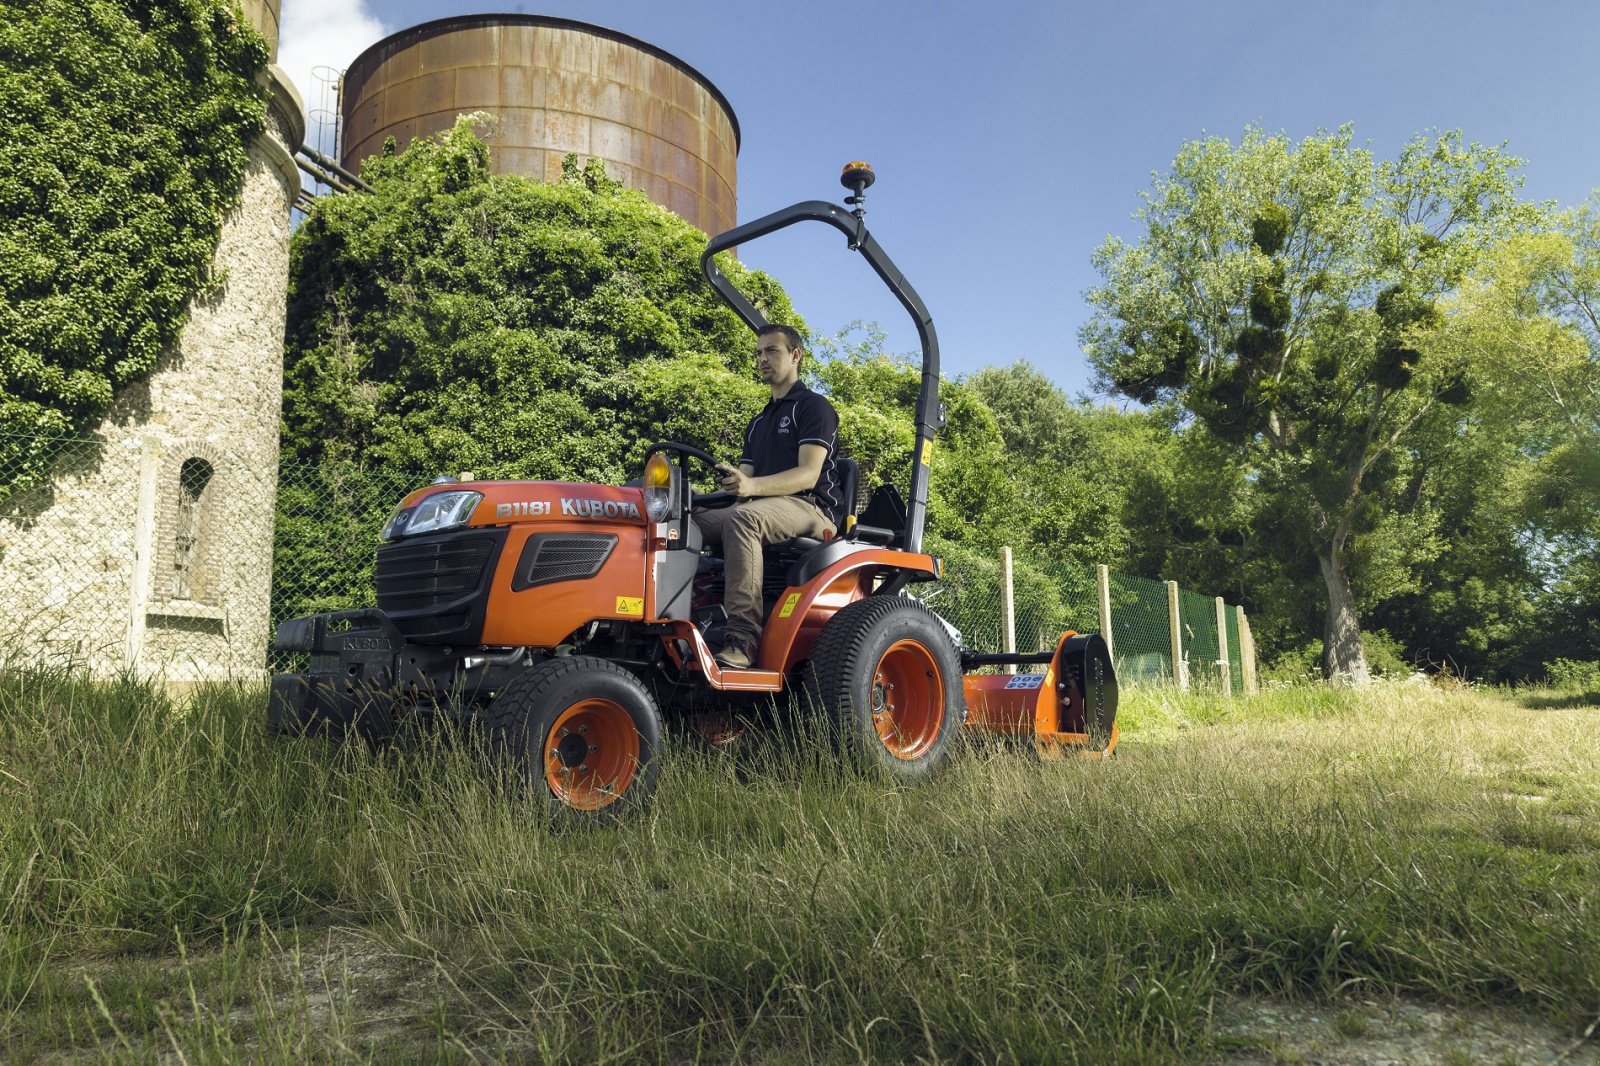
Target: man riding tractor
point(786, 483)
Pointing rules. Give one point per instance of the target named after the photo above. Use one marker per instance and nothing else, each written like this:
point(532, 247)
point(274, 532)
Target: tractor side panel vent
point(550, 557)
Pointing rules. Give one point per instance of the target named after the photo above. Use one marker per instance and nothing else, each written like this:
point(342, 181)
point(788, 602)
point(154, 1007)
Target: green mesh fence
point(1198, 617)
point(159, 549)
point(1140, 637)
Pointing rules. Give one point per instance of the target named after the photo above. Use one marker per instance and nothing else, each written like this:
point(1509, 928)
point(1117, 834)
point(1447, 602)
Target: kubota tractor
point(571, 619)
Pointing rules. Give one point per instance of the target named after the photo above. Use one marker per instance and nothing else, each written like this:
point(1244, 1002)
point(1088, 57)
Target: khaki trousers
point(743, 530)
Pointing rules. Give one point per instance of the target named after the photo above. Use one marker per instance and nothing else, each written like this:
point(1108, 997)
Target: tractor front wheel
point(584, 730)
point(887, 680)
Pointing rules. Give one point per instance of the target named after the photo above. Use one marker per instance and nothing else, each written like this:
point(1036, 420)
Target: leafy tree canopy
point(1529, 320)
point(1285, 297)
point(126, 127)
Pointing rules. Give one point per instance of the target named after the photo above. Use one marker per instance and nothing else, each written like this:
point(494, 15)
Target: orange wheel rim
point(591, 754)
point(907, 700)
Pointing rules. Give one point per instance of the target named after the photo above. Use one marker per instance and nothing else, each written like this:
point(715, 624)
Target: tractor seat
point(791, 563)
point(849, 480)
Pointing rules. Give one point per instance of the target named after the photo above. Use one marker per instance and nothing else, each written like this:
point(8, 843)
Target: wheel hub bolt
point(583, 727)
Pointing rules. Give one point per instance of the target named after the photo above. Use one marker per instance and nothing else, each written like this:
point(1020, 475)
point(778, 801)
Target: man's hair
point(791, 336)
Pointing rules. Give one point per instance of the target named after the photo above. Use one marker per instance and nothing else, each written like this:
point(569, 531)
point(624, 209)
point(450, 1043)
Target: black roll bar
point(929, 416)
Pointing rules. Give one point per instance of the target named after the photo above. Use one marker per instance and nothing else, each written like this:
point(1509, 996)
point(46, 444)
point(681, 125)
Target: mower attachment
point(1070, 707)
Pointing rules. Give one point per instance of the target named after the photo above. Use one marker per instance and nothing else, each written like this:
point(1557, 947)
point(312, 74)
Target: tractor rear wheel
point(584, 730)
point(887, 680)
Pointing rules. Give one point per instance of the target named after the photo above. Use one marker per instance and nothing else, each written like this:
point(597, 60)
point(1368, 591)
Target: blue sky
point(1010, 139)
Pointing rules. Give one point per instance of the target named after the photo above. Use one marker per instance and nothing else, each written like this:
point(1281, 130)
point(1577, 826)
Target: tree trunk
point(1343, 660)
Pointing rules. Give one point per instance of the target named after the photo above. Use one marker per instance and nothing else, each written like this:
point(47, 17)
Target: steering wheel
point(706, 500)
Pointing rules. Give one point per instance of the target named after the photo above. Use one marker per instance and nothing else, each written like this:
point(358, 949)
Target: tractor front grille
point(434, 587)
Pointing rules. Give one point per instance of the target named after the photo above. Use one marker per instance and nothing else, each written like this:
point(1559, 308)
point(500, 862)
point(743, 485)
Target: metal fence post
point(1102, 580)
point(1247, 652)
point(144, 543)
point(1223, 665)
point(1008, 607)
point(1180, 665)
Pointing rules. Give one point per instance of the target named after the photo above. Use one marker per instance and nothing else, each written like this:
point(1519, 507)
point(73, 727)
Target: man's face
point(775, 360)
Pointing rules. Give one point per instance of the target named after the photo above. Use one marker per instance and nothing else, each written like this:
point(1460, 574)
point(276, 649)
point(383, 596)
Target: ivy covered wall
point(126, 133)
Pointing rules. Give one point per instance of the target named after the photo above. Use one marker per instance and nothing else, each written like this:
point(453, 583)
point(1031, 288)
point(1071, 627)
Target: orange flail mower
point(575, 622)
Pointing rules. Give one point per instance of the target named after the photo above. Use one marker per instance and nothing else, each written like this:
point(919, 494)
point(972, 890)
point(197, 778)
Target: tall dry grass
point(173, 882)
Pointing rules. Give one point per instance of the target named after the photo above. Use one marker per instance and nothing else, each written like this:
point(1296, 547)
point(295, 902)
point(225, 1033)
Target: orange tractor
point(575, 620)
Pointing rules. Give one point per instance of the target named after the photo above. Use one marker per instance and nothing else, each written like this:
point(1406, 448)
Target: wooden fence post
point(1102, 580)
point(1222, 648)
point(1247, 653)
point(1008, 607)
point(1180, 666)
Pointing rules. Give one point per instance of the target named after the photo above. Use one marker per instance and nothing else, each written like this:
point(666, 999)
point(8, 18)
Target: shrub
point(1574, 674)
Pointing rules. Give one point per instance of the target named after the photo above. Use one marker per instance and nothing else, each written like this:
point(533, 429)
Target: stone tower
point(151, 549)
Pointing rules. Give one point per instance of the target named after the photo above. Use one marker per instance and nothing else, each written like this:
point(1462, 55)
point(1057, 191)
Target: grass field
point(175, 886)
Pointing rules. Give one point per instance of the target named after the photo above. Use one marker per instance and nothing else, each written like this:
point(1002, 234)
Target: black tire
point(539, 722)
point(867, 652)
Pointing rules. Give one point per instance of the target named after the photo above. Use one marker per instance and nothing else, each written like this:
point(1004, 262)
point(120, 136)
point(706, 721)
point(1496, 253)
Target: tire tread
point(837, 659)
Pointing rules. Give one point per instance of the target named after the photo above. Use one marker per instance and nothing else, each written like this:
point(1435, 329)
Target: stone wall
point(123, 561)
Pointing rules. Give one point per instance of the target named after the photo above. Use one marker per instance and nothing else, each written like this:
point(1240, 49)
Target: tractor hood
point(473, 504)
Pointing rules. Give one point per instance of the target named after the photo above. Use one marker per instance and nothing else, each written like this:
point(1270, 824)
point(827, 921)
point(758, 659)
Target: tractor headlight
point(658, 487)
point(443, 510)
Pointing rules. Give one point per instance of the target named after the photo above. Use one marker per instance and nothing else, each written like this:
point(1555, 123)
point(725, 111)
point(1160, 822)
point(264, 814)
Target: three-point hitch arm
point(929, 415)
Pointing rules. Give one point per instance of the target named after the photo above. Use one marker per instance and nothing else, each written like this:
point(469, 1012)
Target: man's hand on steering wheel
point(732, 480)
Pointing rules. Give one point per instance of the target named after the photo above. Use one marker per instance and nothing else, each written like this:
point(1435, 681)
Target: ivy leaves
point(127, 128)
point(455, 319)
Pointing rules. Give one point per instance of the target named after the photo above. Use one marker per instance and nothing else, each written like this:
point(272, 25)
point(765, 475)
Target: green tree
point(126, 129)
point(1282, 297)
point(1075, 467)
point(1530, 321)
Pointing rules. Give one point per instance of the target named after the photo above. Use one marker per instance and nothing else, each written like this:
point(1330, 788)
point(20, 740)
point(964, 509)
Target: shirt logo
point(783, 424)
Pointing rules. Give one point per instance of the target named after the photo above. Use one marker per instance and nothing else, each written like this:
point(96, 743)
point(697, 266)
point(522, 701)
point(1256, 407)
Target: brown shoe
point(736, 655)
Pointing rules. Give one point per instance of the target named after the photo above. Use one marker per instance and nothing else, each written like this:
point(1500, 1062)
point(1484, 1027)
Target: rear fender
point(801, 612)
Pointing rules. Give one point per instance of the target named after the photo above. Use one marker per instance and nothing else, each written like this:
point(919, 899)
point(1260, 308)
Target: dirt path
point(1395, 1033)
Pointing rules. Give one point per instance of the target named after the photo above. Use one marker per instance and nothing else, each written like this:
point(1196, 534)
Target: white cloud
point(323, 34)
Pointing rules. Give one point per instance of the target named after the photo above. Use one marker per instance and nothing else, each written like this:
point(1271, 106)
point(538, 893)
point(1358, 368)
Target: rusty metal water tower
point(556, 86)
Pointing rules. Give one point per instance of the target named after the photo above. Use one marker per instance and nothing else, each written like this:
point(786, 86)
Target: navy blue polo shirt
point(772, 443)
